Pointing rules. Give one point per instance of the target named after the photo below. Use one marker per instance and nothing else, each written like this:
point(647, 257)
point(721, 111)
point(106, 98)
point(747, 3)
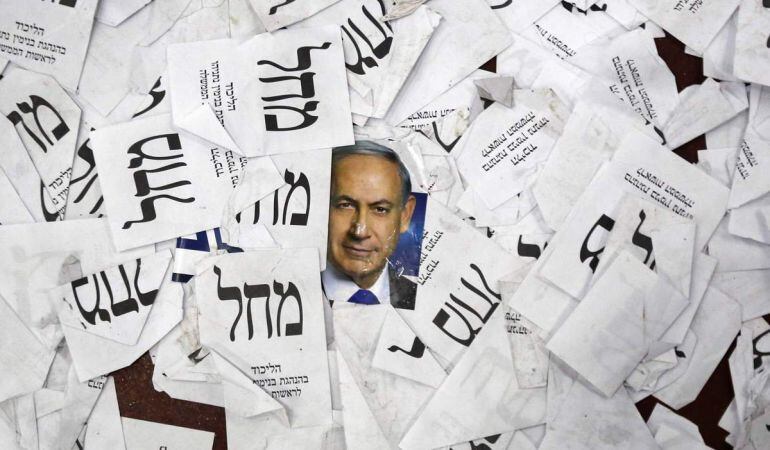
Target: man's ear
point(406, 213)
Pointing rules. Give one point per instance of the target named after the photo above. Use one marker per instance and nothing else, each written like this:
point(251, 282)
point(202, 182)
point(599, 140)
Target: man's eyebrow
point(382, 202)
point(345, 197)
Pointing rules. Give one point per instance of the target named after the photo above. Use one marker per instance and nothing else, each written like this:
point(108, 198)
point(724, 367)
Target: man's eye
point(344, 205)
point(381, 210)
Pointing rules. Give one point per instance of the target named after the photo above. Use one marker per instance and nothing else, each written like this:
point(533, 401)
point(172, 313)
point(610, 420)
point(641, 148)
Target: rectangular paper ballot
point(263, 311)
point(49, 37)
point(503, 144)
point(160, 183)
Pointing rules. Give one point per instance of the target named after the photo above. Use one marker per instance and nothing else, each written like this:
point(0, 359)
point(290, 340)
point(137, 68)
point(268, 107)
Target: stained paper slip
point(505, 143)
point(262, 311)
point(47, 37)
point(750, 182)
point(160, 183)
point(141, 435)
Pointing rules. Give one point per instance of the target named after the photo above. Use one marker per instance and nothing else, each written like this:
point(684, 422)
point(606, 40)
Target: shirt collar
point(339, 287)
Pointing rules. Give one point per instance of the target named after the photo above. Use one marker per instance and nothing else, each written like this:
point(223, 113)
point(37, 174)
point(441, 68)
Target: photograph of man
point(370, 206)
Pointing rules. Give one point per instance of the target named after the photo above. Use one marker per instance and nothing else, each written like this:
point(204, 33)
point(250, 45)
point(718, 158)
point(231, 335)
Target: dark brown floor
point(138, 399)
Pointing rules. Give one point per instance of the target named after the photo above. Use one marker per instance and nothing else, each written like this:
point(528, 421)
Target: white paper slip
point(518, 15)
point(693, 22)
point(85, 299)
point(752, 54)
point(47, 121)
point(114, 12)
point(85, 194)
point(262, 311)
point(12, 209)
point(160, 183)
point(748, 183)
point(469, 35)
point(275, 14)
point(296, 92)
point(141, 435)
point(47, 37)
point(503, 144)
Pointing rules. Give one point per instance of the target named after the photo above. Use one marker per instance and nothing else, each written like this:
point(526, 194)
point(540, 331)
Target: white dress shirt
point(339, 287)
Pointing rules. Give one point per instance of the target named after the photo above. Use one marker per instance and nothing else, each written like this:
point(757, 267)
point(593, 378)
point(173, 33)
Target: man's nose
point(359, 228)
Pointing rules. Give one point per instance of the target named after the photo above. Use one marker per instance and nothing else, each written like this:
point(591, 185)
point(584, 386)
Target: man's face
point(366, 216)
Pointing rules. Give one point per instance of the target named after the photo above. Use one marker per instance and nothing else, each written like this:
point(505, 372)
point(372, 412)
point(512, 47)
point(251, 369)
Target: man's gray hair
point(374, 149)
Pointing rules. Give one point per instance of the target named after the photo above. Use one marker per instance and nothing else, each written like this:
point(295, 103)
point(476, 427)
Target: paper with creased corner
point(719, 56)
point(591, 135)
point(97, 356)
point(702, 270)
point(131, 289)
point(693, 22)
point(302, 214)
point(669, 181)
point(262, 311)
point(244, 22)
point(379, 56)
point(484, 379)
point(518, 15)
point(715, 324)
point(630, 65)
point(719, 163)
point(142, 434)
point(497, 89)
point(242, 395)
point(104, 429)
point(729, 134)
point(565, 30)
point(361, 428)
point(160, 183)
point(85, 194)
point(47, 37)
point(736, 253)
point(38, 257)
point(587, 420)
point(275, 14)
point(457, 263)
point(503, 144)
point(702, 108)
point(392, 400)
point(469, 35)
point(747, 287)
point(530, 358)
point(751, 42)
point(62, 427)
point(750, 220)
point(494, 442)
point(24, 358)
point(402, 353)
point(462, 95)
point(47, 121)
point(295, 92)
point(673, 431)
point(114, 12)
point(12, 209)
point(612, 328)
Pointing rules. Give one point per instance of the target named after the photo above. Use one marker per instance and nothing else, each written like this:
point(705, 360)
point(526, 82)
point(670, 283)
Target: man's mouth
point(356, 251)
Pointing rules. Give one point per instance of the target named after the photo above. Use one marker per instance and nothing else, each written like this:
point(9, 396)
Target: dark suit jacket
point(402, 290)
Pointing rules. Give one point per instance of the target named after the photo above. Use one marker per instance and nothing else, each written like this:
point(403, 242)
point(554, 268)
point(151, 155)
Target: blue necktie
point(364, 297)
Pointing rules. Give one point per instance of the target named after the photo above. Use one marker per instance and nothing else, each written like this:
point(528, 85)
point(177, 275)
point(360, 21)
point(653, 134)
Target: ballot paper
point(142, 434)
point(503, 144)
point(378, 55)
point(751, 42)
point(48, 37)
point(694, 22)
point(518, 15)
point(12, 210)
point(275, 14)
point(139, 160)
point(455, 296)
point(469, 35)
point(47, 122)
point(290, 363)
point(126, 318)
point(747, 184)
